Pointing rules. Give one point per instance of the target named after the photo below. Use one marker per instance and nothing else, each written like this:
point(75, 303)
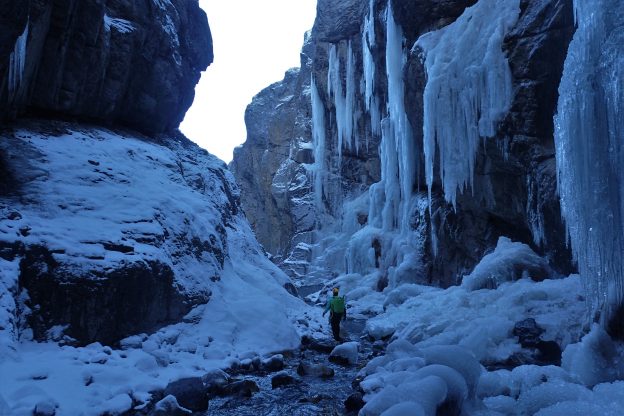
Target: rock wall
point(514, 192)
point(113, 61)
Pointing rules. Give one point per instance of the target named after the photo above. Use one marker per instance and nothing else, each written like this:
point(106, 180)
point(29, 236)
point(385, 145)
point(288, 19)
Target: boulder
point(314, 370)
point(190, 393)
point(169, 406)
point(282, 379)
point(345, 354)
point(274, 363)
point(241, 388)
point(354, 402)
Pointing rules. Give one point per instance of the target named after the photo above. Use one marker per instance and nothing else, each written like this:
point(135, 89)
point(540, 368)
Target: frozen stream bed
point(309, 394)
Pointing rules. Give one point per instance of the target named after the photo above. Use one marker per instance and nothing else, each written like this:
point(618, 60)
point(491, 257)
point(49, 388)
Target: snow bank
point(88, 187)
point(450, 333)
point(509, 261)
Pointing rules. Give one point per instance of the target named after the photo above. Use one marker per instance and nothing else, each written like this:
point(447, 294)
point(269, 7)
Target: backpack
point(337, 304)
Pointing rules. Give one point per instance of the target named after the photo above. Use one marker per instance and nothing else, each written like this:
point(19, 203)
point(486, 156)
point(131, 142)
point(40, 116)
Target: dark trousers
point(334, 320)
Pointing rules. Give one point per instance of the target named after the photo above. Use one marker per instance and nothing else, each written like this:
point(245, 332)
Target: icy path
point(310, 395)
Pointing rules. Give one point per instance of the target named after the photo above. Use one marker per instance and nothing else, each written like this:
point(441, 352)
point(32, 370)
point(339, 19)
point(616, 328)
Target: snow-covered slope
point(105, 235)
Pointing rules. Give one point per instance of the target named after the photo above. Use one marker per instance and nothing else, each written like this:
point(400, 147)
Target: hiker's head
point(335, 291)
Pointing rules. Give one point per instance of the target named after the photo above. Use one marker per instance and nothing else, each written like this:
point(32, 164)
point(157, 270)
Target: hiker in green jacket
point(337, 312)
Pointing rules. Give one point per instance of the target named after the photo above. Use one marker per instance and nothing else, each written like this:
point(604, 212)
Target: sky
point(254, 42)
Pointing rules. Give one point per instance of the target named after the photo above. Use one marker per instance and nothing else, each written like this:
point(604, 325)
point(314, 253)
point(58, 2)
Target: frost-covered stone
point(346, 353)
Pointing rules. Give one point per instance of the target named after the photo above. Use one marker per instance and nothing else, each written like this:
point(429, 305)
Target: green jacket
point(336, 304)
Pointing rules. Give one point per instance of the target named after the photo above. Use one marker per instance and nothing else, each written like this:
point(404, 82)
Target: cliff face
point(371, 75)
point(114, 61)
point(113, 223)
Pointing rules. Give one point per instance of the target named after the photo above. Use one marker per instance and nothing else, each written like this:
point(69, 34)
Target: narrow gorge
point(453, 167)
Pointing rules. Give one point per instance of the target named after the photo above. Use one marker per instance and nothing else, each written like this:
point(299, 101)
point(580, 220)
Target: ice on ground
point(509, 261)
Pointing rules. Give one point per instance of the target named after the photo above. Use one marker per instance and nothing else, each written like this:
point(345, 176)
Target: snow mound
point(509, 261)
point(347, 351)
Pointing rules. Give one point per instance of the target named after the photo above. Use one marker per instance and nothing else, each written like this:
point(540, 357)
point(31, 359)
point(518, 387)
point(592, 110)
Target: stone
point(241, 388)
point(190, 393)
point(169, 406)
point(215, 382)
point(528, 332)
point(315, 370)
point(45, 408)
point(274, 363)
point(354, 402)
point(282, 379)
point(320, 345)
point(345, 354)
point(548, 353)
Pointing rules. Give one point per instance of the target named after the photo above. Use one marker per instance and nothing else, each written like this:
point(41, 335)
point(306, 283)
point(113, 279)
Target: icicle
point(344, 102)
point(535, 216)
point(370, 99)
point(350, 114)
point(399, 129)
point(318, 141)
point(17, 61)
point(468, 89)
point(589, 140)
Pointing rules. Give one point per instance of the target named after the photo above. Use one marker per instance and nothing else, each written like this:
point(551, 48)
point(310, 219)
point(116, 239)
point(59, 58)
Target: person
point(337, 312)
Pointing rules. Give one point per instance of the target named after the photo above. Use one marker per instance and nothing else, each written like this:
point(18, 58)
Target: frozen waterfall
point(318, 140)
point(344, 101)
point(589, 138)
point(468, 89)
point(17, 61)
point(397, 149)
point(370, 99)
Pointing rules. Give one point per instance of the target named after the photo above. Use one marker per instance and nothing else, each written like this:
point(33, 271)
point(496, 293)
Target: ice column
point(398, 153)
point(370, 99)
point(344, 101)
point(318, 141)
point(589, 139)
point(468, 89)
point(17, 60)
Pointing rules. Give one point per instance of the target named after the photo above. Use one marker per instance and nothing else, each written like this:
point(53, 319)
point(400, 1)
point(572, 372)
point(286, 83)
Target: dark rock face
point(104, 308)
point(113, 61)
point(418, 17)
point(271, 160)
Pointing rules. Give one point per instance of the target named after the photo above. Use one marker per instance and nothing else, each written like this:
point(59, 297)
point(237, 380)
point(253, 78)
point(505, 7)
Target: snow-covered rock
point(109, 236)
point(345, 353)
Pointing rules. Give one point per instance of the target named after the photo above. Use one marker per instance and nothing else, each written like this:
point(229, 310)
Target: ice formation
point(344, 100)
point(318, 140)
point(17, 61)
point(468, 89)
point(589, 129)
point(120, 25)
point(397, 150)
point(368, 42)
